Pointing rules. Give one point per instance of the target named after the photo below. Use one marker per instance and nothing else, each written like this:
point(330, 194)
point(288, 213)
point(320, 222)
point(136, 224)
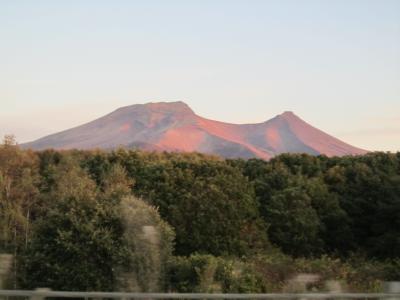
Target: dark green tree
point(73, 247)
point(293, 223)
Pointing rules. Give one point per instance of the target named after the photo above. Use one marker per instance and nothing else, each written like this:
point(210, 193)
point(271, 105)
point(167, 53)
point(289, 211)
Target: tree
point(92, 238)
point(293, 222)
point(73, 248)
point(18, 196)
point(115, 182)
point(199, 196)
point(148, 241)
point(335, 230)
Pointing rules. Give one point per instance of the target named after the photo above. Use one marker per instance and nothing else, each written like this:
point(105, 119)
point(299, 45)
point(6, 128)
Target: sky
point(336, 64)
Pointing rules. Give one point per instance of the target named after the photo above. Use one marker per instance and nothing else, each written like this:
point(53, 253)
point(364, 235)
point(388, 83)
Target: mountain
point(173, 126)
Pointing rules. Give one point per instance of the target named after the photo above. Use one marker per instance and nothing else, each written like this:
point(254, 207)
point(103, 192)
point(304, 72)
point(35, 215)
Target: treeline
point(131, 220)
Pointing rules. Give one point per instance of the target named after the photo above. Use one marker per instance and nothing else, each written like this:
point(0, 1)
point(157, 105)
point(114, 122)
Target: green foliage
point(208, 274)
point(96, 237)
point(294, 223)
point(237, 276)
point(200, 198)
point(149, 243)
point(356, 274)
point(192, 274)
point(73, 248)
point(357, 200)
point(368, 188)
point(72, 222)
point(18, 194)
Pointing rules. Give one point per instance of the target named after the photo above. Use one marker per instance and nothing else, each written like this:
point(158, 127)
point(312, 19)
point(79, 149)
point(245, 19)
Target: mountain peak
point(288, 113)
point(177, 106)
point(173, 126)
point(287, 116)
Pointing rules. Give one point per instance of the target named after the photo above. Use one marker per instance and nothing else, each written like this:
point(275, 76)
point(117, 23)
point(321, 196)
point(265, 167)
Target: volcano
point(174, 127)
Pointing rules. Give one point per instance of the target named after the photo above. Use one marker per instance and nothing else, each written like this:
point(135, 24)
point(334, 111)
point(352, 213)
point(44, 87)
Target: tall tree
point(18, 195)
point(148, 241)
point(73, 248)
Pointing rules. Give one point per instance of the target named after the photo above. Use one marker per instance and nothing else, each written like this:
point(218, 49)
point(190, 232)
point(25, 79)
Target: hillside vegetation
point(139, 221)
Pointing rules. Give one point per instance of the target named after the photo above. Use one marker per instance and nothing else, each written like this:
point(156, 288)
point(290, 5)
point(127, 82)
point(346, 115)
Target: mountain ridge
point(174, 126)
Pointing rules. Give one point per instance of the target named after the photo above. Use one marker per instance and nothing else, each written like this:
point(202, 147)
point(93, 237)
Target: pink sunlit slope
point(173, 126)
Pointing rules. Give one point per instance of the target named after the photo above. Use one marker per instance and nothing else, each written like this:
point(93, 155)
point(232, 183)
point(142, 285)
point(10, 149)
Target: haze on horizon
point(334, 63)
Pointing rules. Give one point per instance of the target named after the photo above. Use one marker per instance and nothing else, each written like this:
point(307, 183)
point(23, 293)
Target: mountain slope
point(173, 126)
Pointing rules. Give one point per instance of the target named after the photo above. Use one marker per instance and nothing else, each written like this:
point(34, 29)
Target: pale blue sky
point(334, 63)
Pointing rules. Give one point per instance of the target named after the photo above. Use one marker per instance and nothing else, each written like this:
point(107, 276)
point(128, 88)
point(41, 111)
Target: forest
point(127, 220)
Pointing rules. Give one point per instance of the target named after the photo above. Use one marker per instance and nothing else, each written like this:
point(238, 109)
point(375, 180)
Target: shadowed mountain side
point(173, 126)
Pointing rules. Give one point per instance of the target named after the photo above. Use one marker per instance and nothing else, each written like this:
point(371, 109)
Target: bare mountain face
point(173, 126)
